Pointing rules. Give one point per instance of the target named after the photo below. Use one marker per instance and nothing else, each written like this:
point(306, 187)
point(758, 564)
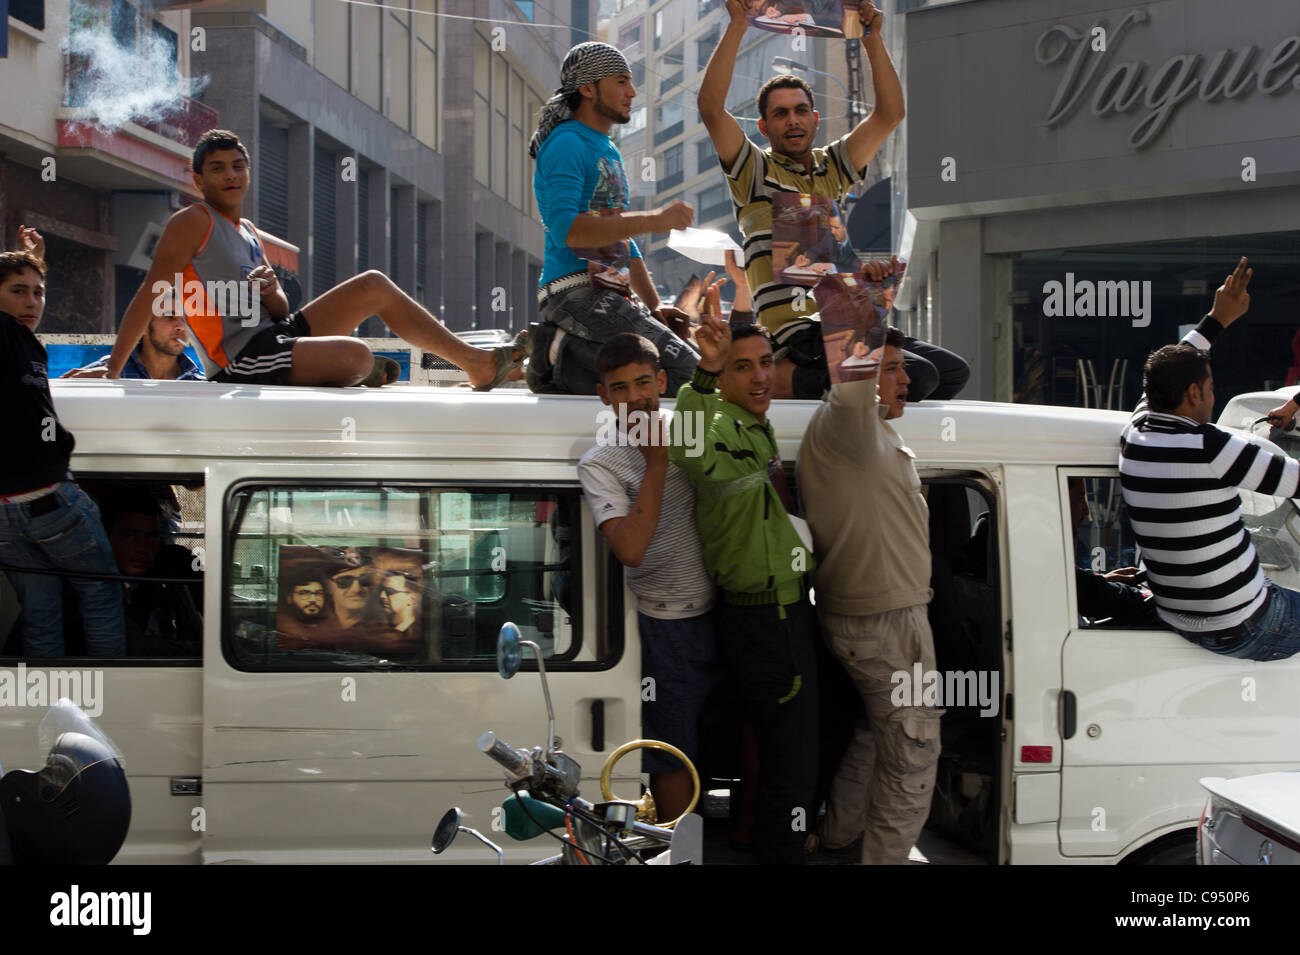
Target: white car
point(1251, 820)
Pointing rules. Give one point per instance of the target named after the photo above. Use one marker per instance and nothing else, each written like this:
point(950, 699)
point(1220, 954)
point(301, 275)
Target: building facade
point(385, 136)
point(1083, 175)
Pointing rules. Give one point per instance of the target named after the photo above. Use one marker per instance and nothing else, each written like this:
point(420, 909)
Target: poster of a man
point(356, 599)
point(803, 246)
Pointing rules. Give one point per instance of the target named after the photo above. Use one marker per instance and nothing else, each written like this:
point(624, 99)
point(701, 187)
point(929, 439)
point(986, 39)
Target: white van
point(267, 750)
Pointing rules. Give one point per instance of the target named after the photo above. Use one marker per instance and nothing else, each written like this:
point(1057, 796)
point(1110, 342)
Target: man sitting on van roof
point(1180, 474)
point(240, 317)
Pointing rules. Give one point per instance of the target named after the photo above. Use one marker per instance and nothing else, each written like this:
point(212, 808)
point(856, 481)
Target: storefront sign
point(1124, 87)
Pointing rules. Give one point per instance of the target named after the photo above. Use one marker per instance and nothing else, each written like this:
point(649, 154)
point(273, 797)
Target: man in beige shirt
point(870, 528)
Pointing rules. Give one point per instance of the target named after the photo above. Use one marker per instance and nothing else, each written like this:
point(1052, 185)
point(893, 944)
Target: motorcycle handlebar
point(517, 763)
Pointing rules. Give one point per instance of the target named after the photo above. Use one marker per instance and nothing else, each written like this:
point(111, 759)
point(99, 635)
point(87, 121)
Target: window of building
point(122, 20)
point(500, 125)
point(165, 49)
point(706, 157)
point(482, 111)
point(422, 575)
point(426, 74)
point(30, 12)
point(629, 35)
point(669, 116)
point(397, 61)
point(713, 202)
point(636, 123)
point(526, 7)
point(704, 47)
point(659, 28)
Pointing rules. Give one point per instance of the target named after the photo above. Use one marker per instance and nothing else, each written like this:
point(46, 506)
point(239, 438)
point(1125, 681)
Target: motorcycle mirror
point(509, 651)
point(448, 826)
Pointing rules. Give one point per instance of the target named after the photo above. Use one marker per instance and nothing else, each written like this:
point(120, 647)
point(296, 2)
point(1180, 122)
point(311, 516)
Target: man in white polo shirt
point(645, 508)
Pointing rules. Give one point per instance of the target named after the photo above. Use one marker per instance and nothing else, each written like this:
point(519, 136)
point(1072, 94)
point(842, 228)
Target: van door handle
point(597, 726)
point(1069, 714)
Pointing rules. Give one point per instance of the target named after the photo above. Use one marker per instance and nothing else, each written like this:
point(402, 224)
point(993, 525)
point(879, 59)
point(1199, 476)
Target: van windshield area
point(156, 531)
point(319, 576)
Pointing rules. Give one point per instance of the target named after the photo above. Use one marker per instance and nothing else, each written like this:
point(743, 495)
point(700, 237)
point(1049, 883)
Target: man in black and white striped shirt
point(1180, 474)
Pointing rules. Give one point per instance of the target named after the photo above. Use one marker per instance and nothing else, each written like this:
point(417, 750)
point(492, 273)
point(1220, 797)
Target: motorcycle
point(545, 799)
point(75, 810)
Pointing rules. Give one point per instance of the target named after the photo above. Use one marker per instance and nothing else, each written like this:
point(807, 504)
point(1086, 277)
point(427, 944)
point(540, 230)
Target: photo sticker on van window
point(358, 599)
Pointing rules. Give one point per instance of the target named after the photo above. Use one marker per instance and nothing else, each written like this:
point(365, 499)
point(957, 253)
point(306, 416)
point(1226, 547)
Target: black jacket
point(37, 447)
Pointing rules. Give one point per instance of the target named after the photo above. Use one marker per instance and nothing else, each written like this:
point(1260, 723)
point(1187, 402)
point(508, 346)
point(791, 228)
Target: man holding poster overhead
point(791, 166)
point(873, 588)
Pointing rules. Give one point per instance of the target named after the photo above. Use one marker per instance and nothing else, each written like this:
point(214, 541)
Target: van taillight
point(1035, 754)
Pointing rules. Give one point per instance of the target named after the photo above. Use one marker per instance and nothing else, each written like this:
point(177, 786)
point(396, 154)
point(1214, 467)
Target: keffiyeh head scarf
point(585, 63)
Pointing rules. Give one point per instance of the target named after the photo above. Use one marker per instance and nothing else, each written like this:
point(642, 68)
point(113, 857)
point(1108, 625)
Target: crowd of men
point(717, 554)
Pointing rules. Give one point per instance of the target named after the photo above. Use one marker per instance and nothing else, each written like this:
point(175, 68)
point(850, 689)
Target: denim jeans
point(70, 537)
point(1276, 635)
point(590, 317)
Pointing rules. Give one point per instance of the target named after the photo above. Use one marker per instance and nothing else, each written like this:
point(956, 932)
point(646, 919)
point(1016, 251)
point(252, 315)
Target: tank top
point(220, 308)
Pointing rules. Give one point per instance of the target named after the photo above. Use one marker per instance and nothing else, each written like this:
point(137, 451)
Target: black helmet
point(76, 810)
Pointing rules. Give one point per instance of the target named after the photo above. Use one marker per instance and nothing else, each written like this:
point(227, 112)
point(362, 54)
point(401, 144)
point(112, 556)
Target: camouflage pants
point(589, 318)
point(886, 777)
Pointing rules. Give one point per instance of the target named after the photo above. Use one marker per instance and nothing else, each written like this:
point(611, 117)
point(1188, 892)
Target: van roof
point(206, 420)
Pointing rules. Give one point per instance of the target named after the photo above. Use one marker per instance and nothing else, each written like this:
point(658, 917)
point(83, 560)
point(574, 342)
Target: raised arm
point(177, 246)
point(1231, 301)
point(728, 138)
point(870, 134)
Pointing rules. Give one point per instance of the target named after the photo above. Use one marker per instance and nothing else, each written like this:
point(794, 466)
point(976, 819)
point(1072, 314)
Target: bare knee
point(355, 361)
point(375, 284)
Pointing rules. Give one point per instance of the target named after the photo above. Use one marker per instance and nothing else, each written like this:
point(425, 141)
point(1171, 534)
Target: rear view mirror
point(448, 826)
point(509, 652)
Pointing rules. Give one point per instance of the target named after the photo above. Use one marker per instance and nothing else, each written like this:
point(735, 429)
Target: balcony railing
point(668, 132)
point(670, 180)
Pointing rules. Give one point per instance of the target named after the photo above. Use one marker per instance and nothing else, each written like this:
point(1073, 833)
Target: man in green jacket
point(766, 628)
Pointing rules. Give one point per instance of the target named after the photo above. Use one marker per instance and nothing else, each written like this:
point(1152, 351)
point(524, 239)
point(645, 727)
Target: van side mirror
point(509, 651)
point(448, 826)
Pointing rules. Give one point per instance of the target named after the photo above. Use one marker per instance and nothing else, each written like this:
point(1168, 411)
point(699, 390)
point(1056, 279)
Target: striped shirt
point(671, 582)
point(754, 177)
point(1179, 480)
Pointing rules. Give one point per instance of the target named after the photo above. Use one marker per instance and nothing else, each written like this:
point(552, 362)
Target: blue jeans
point(1276, 635)
point(70, 537)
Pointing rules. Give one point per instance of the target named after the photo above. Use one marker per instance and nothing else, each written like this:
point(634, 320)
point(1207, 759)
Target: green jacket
point(751, 549)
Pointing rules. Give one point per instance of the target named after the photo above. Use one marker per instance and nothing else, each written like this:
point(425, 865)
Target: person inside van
point(240, 317)
point(873, 590)
point(46, 520)
point(1180, 476)
point(765, 624)
point(645, 508)
point(160, 354)
point(161, 619)
point(1110, 596)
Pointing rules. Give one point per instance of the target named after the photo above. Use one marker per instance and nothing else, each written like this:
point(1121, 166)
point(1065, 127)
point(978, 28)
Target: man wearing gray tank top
point(239, 316)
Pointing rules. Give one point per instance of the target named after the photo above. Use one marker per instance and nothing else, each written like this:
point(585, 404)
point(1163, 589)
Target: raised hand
point(29, 240)
point(713, 336)
point(676, 215)
point(1231, 299)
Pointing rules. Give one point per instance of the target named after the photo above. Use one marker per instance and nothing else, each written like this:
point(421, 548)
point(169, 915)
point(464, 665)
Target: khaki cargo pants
point(886, 777)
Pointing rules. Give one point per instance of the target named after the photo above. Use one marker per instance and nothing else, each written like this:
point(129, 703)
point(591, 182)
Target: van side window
point(1104, 551)
point(156, 530)
point(320, 576)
